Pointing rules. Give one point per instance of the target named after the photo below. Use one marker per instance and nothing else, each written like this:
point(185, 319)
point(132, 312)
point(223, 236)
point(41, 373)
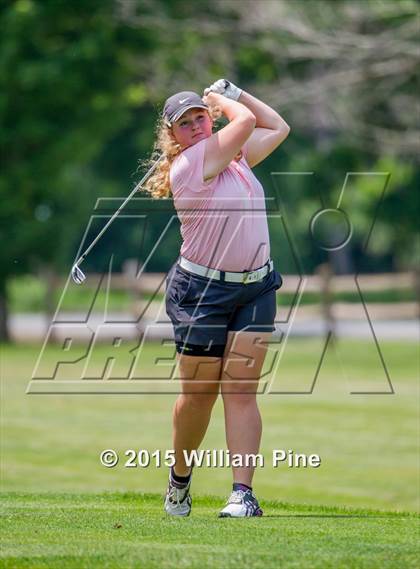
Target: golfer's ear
point(172, 136)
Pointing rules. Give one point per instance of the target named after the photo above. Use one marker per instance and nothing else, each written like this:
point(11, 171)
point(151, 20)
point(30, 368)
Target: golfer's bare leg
point(242, 364)
point(200, 387)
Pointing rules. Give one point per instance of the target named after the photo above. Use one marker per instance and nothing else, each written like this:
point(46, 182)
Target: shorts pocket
point(178, 287)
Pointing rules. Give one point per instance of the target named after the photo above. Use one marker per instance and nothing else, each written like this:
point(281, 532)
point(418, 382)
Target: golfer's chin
point(198, 137)
point(194, 140)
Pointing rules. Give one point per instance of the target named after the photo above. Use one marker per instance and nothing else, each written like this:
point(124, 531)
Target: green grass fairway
point(130, 530)
point(368, 443)
point(62, 508)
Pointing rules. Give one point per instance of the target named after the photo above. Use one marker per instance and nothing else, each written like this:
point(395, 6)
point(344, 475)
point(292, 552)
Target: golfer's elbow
point(283, 127)
point(283, 130)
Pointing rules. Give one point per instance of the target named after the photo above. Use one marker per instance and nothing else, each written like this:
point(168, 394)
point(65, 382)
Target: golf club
point(77, 274)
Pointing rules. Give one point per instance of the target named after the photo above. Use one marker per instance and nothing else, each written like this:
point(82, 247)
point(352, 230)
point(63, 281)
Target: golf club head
point(77, 275)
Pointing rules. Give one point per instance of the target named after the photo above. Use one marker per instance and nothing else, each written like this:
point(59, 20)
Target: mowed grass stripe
point(131, 530)
point(368, 443)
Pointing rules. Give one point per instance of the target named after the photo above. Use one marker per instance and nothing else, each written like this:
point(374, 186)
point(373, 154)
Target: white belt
point(245, 278)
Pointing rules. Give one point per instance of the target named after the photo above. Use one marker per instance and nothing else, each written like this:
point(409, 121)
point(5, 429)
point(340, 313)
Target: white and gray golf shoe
point(178, 500)
point(241, 504)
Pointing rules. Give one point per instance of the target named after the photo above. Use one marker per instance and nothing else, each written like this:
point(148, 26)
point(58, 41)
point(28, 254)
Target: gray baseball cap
point(179, 103)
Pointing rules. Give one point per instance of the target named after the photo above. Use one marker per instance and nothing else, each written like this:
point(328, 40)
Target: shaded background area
point(83, 82)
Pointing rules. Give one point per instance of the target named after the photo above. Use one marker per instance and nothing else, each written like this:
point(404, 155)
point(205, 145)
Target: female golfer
point(221, 291)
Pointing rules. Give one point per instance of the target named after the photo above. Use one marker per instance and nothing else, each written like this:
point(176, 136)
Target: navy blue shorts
point(203, 310)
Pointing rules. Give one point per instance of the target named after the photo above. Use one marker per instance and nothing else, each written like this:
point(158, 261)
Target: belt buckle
point(250, 277)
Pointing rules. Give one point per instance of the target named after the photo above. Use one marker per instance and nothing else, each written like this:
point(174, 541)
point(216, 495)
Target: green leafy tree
point(65, 78)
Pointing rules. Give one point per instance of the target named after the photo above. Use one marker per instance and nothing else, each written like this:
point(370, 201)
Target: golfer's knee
point(199, 401)
point(238, 396)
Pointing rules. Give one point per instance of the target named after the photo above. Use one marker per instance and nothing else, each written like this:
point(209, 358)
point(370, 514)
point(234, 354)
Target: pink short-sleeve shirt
point(224, 222)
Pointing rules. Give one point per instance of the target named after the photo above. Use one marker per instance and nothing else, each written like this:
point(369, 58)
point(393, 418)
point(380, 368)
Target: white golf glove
point(224, 87)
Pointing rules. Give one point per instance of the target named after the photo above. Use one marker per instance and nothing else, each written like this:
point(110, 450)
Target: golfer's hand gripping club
point(77, 274)
point(224, 87)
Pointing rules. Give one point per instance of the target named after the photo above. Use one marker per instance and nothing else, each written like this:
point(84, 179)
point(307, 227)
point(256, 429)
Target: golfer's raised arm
point(265, 116)
point(224, 145)
point(270, 129)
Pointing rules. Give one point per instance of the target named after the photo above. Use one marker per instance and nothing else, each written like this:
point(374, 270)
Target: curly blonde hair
point(166, 146)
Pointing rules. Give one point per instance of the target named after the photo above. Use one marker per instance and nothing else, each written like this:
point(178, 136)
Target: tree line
point(82, 84)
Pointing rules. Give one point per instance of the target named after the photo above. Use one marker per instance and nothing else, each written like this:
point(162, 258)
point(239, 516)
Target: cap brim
point(179, 114)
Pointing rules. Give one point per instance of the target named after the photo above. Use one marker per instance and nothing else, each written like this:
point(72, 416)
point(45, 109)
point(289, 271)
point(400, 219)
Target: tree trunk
point(325, 274)
point(416, 279)
point(4, 313)
point(49, 276)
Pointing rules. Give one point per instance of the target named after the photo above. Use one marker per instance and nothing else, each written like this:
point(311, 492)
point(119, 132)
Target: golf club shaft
point(136, 189)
